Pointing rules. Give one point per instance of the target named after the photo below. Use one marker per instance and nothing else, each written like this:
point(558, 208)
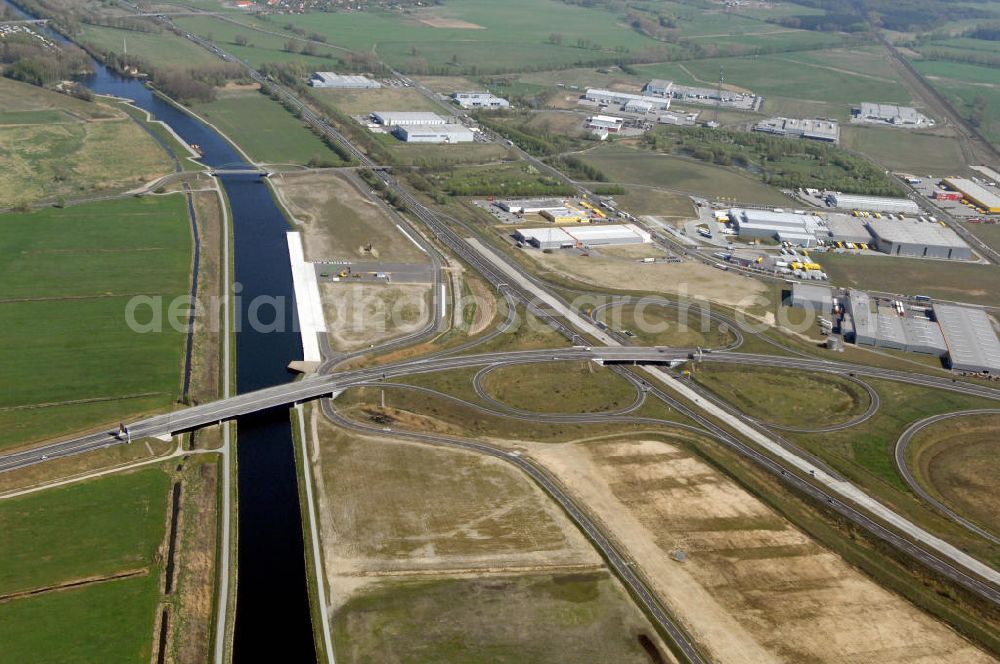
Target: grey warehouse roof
point(972, 342)
point(915, 232)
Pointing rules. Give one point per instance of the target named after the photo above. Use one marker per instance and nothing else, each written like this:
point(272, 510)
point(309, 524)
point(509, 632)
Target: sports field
point(70, 360)
point(625, 165)
point(85, 534)
point(263, 128)
point(53, 146)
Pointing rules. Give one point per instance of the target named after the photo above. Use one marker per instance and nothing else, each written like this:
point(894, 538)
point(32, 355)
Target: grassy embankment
point(55, 147)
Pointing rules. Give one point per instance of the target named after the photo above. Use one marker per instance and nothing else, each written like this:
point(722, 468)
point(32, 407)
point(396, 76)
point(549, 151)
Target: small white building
point(659, 87)
point(404, 118)
point(607, 122)
point(446, 133)
point(530, 205)
point(638, 106)
point(479, 100)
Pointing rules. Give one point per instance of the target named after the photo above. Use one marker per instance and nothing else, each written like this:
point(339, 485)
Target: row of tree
point(783, 162)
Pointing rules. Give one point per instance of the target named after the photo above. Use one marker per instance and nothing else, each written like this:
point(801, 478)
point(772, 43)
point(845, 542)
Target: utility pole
point(718, 93)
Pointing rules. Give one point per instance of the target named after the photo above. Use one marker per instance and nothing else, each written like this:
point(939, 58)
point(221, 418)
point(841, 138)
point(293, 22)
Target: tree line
point(782, 162)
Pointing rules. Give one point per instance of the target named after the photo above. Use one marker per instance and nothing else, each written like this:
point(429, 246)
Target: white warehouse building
point(403, 118)
point(586, 236)
point(873, 203)
point(659, 87)
point(922, 239)
point(329, 79)
point(479, 100)
point(620, 99)
point(798, 229)
point(446, 133)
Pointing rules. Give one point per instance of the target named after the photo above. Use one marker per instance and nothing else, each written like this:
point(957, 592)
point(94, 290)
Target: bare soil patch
point(393, 507)
point(359, 314)
point(339, 221)
point(752, 588)
point(693, 280)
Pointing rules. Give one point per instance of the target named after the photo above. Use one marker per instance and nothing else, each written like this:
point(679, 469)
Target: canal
point(273, 620)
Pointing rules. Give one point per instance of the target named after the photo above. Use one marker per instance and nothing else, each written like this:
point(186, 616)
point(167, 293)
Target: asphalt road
point(622, 566)
point(904, 470)
point(526, 290)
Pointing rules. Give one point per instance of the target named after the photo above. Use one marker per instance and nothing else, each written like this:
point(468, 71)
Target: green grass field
point(956, 459)
point(580, 387)
point(785, 397)
point(85, 531)
point(53, 146)
point(507, 36)
point(626, 166)
point(161, 49)
point(910, 152)
point(109, 622)
point(69, 276)
point(864, 453)
point(528, 618)
point(263, 128)
point(365, 102)
point(962, 84)
point(261, 47)
point(90, 529)
point(949, 280)
point(837, 76)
